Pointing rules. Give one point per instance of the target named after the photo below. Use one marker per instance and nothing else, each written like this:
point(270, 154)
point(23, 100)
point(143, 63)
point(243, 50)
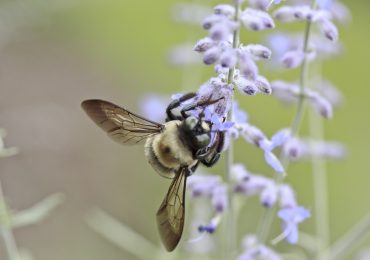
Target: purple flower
point(239, 173)
point(253, 185)
point(211, 227)
point(292, 59)
point(263, 85)
point(246, 86)
point(259, 4)
point(253, 250)
point(247, 66)
point(280, 137)
point(322, 105)
point(219, 198)
point(291, 218)
point(224, 9)
point(293, 149)
point(258, 51)
point(269, 195)
point(274, 162)
point(324, 4)
point(211, 55)
point(228, 58)
point(287, 197)
point(202, 185)
point(328, 29)
point(256, 20)
point(239, 116)
point(204, 44)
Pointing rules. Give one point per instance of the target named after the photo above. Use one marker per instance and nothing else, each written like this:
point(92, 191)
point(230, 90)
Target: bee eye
point(203, 140)
point(191, 122)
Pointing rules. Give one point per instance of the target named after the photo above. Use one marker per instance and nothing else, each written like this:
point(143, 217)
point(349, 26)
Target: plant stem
point(268, 215)
point(344, 245)
point(320, 186)
point(229, 158)
point(5, 229)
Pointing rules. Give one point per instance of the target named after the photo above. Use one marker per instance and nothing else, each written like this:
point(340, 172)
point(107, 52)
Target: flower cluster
point(236, 68)
point(270, 193)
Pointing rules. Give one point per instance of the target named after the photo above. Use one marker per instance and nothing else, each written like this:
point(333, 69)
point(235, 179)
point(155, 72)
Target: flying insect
point(174, 149)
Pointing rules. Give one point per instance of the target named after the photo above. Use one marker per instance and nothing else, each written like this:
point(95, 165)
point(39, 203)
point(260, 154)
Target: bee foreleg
point(175, 104)
point(212, 161)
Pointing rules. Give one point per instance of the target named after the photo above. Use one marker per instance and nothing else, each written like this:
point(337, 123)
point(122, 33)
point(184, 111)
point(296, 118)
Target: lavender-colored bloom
point(259, 252)
point(246, 86)
point(211, 55)
point(228, 58)
point(303, 13)
point(293, 149)
point(269, 195)
point(259, 4)
point(239, 115)
point(329, 30)
point(258, 51)
point(263, 85)
point(239, 173)
point(204, 44)
point(287, 196)
point(329, 150)
point(256, 20)
point(218, 125)
point(219, 198)
point(253, 185)
point(224, 9)
point(274, 162)
point(285, 14)
point(340, 12)
point(247, 66)
point(210, 20)
point(322, 105)
point(331, 93)
point(253, 135)
point(324, 4)
point(292, 59)
point(291, 218)
point(202, 185)
point(280, 137)
point(220, 32)
point(211, 227)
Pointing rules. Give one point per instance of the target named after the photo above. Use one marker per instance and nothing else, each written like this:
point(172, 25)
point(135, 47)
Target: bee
point(174, 149)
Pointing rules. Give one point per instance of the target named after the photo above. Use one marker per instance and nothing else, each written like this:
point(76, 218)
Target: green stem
point(229, 159)
point(268, 215)
point(6, 231)
point(345, 245)
point(320, 187)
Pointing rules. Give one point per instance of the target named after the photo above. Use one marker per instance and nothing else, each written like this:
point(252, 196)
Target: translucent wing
point(121, 125)
point(171, 213)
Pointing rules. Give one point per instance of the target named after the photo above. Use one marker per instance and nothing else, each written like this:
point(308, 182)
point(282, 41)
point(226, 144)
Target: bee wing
point(171, 213)
point(120, 124)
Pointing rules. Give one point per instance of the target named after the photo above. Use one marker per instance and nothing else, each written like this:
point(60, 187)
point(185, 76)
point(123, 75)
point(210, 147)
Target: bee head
point(198, 131)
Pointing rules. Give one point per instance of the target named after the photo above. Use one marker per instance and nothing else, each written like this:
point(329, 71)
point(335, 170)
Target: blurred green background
point(54, 54)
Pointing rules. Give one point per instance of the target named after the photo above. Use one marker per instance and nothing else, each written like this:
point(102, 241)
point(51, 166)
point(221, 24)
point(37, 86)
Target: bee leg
point(193, 168)
point(212, 161)
point(176, 103)
point(201, 103)
point(217, 148)
point(201, 154)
